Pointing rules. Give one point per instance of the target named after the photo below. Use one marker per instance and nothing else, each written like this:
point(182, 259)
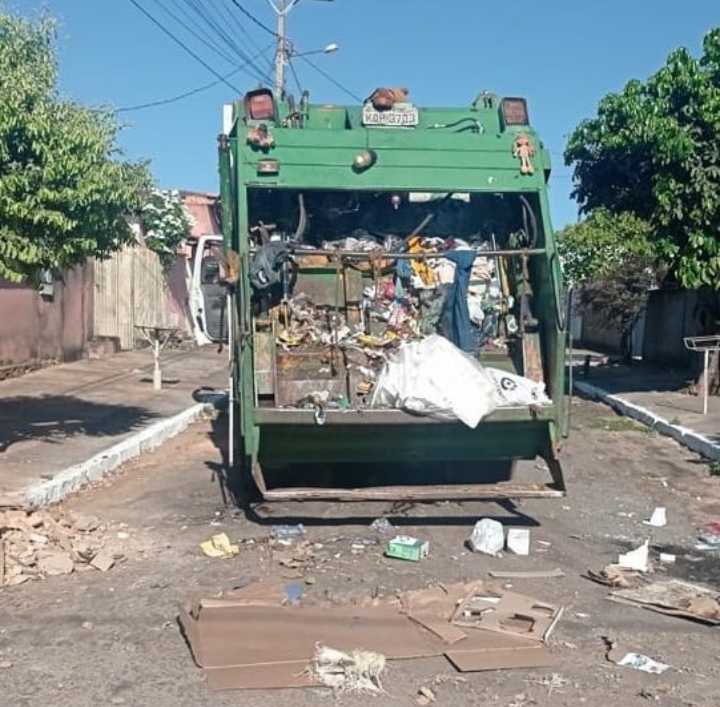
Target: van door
point(208, 296)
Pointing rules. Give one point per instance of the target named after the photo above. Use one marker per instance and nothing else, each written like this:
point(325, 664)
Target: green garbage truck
point(395, 296)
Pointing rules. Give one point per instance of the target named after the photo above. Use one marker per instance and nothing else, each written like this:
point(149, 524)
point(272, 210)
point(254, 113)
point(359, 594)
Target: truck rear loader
point(385, 261)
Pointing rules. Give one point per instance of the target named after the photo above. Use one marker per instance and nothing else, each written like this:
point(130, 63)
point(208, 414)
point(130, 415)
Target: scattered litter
point(658, 519)
point(488, 536)
point(553, 682)
point(276, 642)
point(47, 542)
point(529, 574)
point(286, 532)
point(122, 535)
point(710, 537)
point(518, 540)
point(425, 696)
point(666, 558)
point(637, 661)
point(674, 598)
point(294, 593)
point(382, 525)
point(355, 672)
point(104, 560)
point(612, 576)
point(637, 559)
point(405, 547)
point(4, 664)
point(219, 546)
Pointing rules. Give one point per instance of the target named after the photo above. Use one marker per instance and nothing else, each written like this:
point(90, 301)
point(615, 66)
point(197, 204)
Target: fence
point(131, 290)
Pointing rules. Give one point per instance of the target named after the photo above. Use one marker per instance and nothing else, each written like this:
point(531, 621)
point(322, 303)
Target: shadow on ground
point(51, 418)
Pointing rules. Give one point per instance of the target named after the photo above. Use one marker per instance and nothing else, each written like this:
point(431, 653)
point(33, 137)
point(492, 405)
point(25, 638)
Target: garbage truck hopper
point(396, 293)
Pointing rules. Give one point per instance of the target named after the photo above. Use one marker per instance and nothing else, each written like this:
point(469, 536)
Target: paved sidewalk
point(65, 425)
point(656, 399)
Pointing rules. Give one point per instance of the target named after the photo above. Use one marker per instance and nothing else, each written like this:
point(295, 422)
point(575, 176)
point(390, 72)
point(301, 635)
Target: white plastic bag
point(513, 390)
point(435, 378)
point(488, 536)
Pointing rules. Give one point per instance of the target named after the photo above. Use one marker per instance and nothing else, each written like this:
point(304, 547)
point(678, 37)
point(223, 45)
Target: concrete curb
point(685, 436)
point(74, 477)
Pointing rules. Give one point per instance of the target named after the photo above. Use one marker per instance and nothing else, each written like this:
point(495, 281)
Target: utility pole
point(283, 52)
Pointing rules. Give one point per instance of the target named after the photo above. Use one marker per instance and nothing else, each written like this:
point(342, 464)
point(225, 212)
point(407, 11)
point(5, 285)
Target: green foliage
point(653, 151)
point(166, 223)
point(597, 245)
point(64, 195)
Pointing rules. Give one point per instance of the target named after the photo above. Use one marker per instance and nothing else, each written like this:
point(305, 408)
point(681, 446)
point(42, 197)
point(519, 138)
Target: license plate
point(392, 118)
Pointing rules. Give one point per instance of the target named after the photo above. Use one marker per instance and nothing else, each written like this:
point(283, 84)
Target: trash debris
point(104, 560)
point(637, 559)
point(529, 574)
point(276, 640)
point(219, 546)
point(488, 536)
point(354, 672)
point(382, 525)
point(667, 558)
point(425, 696)
point(512, 390)
point(494, 609)
point(612, 576)
point(637, 661)
point(294, 593)
point(47, 542)
point(518, 540)
point(284, 532)
point(433, 377)
point(405, 547)
point(710, 537)
point(658, 519)
point(674, 598)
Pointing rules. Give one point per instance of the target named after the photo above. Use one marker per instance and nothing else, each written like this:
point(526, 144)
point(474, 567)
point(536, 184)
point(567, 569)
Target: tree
point(65, 194)
point(609, 259)
point(166, 223)
point(653, 151)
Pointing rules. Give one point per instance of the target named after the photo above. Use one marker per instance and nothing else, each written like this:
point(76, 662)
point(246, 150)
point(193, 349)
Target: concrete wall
point(670, 317)
point(37, 328)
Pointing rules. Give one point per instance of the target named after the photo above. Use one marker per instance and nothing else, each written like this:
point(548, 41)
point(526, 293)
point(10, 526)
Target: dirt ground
point(111, 639)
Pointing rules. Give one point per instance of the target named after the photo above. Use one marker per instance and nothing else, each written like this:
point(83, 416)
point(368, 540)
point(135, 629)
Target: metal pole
point(706, 380)
point(231, 382)
point(281, 53)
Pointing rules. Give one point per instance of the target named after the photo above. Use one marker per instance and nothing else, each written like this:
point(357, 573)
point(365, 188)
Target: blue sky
point(563, 56)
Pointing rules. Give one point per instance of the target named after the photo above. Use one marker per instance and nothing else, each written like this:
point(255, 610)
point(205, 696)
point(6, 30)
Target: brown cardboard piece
point(674, 598)
point(242, 643)
point(492, 609)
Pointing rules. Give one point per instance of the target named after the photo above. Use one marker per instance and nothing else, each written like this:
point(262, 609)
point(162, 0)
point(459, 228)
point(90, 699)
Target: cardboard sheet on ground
point(241, 643)
point(674, 598)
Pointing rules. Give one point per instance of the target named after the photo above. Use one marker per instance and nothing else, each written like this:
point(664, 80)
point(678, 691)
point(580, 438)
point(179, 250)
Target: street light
point(291, 53)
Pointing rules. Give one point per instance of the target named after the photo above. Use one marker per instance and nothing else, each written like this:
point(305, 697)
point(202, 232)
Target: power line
point(186, 94)
point(210, 19)
point(241, 27)
point(254, 19)
point(158, 24)
point(331, 79)
point(206, 39)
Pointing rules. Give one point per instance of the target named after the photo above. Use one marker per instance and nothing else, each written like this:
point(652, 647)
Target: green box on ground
point(404, 547)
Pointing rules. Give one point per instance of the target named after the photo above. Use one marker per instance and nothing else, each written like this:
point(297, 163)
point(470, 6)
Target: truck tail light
point(514, 111)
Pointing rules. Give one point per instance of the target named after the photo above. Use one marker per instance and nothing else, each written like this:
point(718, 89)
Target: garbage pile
point(42, 543)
